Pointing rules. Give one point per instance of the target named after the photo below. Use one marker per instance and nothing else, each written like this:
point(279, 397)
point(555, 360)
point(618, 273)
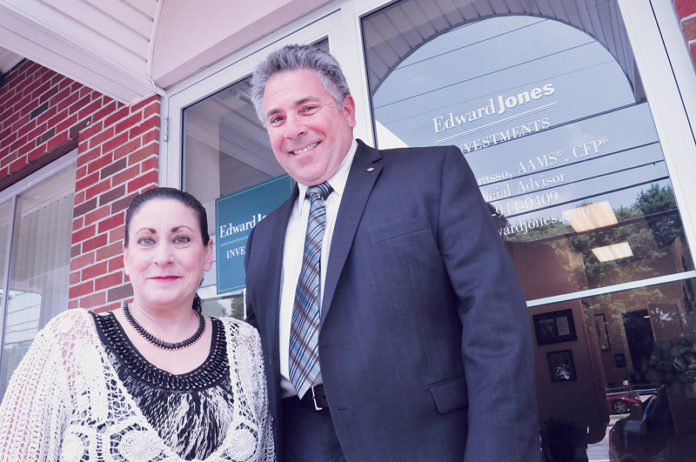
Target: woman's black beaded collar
point(215, 368)
point(161, 343)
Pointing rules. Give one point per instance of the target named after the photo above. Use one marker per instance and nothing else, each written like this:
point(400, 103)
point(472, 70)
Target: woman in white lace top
point(153, 381)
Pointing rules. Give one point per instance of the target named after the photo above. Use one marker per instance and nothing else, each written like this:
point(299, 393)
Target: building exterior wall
point(44, 115)
point(686, 11)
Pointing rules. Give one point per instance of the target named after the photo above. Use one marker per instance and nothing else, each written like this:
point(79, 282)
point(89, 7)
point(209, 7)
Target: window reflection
point(557, 133)
point(226, 150)
point(646, 241)
point(226, 147)
point(562, 144)
point(613, 355)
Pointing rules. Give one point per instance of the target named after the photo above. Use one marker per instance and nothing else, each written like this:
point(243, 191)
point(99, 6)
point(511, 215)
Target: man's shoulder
point(416, 159)
point(415, 152)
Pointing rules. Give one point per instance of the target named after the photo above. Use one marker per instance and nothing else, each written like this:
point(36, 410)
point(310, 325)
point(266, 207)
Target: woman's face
point(165, 258)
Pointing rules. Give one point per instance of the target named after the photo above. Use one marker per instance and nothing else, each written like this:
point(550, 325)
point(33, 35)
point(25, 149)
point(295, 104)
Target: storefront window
point(546, 105)
point(226, 149)
point(39, 260)
point(608, 353)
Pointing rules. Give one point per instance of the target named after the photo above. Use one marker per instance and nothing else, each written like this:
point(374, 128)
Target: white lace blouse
point(66, 402)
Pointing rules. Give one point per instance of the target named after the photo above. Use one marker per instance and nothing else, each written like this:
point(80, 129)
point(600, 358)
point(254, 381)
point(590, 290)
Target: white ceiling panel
point(146, 7)
point(50, 49)
point(91, 28)
point(139, 18)
point(102, 44)
point(109, 45)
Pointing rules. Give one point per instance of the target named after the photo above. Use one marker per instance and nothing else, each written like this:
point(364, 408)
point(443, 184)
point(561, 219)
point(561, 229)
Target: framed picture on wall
point(554, 327)
point(561, 366)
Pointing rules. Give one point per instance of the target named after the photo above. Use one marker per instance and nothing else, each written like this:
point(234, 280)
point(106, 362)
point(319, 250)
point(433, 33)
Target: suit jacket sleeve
point(496, 338)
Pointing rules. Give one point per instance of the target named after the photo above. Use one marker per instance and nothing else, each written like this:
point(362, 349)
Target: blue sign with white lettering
point(235, 216)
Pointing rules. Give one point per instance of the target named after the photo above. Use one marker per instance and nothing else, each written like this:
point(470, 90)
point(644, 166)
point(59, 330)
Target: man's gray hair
point(293, 57)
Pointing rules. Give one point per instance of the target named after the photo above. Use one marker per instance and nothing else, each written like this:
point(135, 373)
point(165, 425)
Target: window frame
point(11, 194)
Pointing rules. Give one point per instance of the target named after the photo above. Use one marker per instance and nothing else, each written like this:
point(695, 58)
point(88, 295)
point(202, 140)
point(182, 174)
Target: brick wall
point(686, 10)
point(40, 112)
point(44, 115)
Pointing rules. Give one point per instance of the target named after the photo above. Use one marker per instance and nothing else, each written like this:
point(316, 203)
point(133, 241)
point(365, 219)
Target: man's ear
point(349, 110)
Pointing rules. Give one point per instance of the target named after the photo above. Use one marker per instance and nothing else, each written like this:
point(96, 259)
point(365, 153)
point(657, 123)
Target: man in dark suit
point(396, 328)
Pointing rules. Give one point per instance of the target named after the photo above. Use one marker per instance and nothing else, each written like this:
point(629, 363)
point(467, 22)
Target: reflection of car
point(618, 404)
point(649, 436)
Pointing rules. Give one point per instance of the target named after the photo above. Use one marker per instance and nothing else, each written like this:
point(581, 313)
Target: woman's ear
point(125, 259)
point(208, 256)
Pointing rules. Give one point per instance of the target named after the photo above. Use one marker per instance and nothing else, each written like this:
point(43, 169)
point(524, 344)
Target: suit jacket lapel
point(361, 179)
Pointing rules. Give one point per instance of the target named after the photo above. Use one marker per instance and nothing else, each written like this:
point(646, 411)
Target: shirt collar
point(337, 181)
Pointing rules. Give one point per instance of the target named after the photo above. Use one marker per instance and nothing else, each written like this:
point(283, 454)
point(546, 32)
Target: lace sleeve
point(267, 447)
point(34, 408)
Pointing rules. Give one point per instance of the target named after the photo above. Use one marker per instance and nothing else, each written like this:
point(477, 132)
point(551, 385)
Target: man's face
point(310, 134)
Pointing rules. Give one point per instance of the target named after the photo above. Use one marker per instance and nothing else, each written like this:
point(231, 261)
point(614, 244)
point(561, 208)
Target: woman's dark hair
point(170, 193)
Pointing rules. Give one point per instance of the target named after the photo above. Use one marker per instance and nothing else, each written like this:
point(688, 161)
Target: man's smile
point(306, 148)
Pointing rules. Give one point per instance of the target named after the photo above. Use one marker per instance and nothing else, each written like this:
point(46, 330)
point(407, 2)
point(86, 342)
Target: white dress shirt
point(293, 251)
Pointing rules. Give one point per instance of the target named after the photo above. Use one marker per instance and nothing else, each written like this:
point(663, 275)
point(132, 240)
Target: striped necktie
point(304, 328)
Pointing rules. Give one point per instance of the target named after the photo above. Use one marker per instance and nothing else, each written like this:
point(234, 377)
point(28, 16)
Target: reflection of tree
point(672, 364)
point(665, 228)
point(638, 237)
point(237, 308)
point(229, 306)
point(654, 232)
point(650, 226)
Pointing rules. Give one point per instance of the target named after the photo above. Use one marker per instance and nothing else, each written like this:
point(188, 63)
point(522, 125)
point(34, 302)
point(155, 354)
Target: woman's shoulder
point(64, 332)
point(239, 330)
point(230, 321)
point(72, 317)
point(235, 324)
point(75, 323)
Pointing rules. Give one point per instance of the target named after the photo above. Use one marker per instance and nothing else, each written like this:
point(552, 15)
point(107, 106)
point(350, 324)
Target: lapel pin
point(371, 169)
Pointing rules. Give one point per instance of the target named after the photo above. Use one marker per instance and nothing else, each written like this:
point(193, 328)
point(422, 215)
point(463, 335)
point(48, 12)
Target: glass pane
point(5, 223)
point(601, 361)
point(546, 105)
point(39, 267)
point(228, 306)
point(226, 149)
point(557, 132)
